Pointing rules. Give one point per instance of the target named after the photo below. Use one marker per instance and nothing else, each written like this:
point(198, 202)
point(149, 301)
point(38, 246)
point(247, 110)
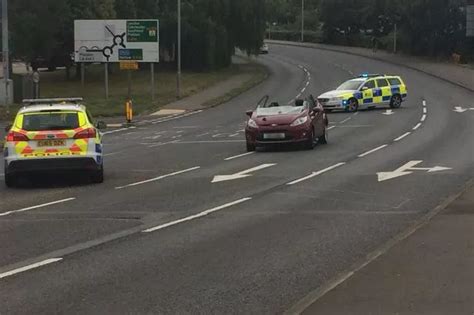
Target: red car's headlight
point(299, 121)
point(251, 123)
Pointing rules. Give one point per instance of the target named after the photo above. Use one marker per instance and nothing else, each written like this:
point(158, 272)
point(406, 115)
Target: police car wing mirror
point(101, 125)
point(249, 113)
point(8, 127)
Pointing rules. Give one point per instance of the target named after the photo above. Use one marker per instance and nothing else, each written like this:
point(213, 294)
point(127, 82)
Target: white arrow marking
point(459, 109)
point(240, 175)
point(388, 112)
point(408, 169)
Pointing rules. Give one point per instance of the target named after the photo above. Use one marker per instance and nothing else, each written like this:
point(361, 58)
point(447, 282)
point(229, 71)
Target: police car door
point(368, 92)
point(383, 92)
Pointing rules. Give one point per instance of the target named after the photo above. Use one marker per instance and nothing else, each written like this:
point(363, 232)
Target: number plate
point(51, 143)
point(274, 136)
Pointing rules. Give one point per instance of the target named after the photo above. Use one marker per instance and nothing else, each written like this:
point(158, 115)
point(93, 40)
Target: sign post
point(470, 19)
point(152, 67)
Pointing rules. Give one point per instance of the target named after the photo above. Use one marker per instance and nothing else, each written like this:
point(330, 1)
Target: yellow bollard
point(129, 111)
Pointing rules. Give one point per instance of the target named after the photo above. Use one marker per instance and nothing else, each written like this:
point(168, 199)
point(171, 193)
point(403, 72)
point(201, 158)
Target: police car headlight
point(252, 124)
point(299, 121)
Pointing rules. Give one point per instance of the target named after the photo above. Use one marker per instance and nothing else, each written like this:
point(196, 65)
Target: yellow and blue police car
point(50, 135)
point(366, 91)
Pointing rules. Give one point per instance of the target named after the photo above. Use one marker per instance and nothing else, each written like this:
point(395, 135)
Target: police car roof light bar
point(368, 75)
point(73, 100)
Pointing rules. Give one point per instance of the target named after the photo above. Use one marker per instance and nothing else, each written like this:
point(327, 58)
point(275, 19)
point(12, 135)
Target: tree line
point(425, 27)
point(211, 29)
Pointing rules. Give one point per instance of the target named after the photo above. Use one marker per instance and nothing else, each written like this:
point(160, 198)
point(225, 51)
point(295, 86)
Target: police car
point(366, 91)
point(50, 135)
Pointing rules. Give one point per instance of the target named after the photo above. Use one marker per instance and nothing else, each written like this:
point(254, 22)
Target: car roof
point(52, 107)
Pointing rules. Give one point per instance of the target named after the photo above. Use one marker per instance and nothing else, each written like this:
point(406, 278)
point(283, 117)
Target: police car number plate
point(51, 143)
point(274, 136)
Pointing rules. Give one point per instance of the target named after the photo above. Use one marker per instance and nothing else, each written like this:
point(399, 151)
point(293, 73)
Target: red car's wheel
point(250, 147)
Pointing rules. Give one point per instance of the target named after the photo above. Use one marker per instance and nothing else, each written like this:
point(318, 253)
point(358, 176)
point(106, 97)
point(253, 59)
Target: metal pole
point(83, 74)
point(395, 39)
point(152, 81)
point(129, 93)
point(6, 52)
point(106, 80)
point(178, 83)
point(302, 20)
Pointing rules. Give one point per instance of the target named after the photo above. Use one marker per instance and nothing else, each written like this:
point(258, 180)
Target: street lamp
point(178, 79)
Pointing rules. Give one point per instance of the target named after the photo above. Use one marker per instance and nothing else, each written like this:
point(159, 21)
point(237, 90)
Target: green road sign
point(142, 31)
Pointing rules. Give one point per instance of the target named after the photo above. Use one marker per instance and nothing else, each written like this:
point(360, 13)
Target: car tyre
point(396, 101)
point(353, 105)
point(310, 143)
point(97, 177)
point(10, 180)
point(250, 147)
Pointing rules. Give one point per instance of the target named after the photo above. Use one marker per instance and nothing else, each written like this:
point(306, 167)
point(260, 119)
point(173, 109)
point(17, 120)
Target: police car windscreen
point(350, 85)
point(50, 121)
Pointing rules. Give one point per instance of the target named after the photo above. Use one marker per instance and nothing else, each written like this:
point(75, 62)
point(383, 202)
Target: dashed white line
point(36, 207)
point(314, 174)
point(425, 110)
point(402, 136)
point(203, 134)
point(423, 118)
point(238, 156)
point(302, 90)
point(373, 151)
point(332, 127)
point(417, 126)
point(218, 135)
point(234, 135)
point(159, 178)
point(196, 216)
point(29, 267)
point(346, 120)
point(424, 103)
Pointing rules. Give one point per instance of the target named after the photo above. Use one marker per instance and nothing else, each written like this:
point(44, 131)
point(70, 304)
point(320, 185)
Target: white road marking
point(160, 144)
point(234, 135)
point(356, 113)
point(408, 169)
point(203, 134)
point(302, 90)
point(346, 120)
point(417, 126)
point(218, 135)
point(29, 267)
point(424, 103)
point(36, 207)
point(186, 127)
point(196, 216)
point(332, 127)
point(240, 175)
point(388, 112)
point(159, 178)
point(372, 151)
point(459, 109)
point(238, 156)
point(403, 136)
point(425, 110)
point(110, 154)
point(307, 83)
point(314, 174)
point(423, 118)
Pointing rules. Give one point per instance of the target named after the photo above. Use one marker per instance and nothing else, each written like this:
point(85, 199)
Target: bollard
point(129, 111)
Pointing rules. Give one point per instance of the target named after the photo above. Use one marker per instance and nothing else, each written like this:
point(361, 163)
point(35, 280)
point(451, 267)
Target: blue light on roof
point(365, 75)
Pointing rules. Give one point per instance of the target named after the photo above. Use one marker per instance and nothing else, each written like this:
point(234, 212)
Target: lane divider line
point(425, 110)
point(373, 150)
point(423, 118)
point(424, 103)
point(196, 216)
point(159, 178)
point(29, 267)
point(238, 156)
point(402, 136)
point(36, 207)
point(417, 126)
point(314, 174)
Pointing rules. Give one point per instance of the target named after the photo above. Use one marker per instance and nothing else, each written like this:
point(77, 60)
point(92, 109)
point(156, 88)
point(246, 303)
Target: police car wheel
point(10, 180)
point(396, 101)
point(97, 177)
point(353, 105)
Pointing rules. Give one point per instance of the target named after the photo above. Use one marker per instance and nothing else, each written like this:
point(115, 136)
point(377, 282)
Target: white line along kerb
point(373, 151)
point(314, 174)
point(402, 136)
point(29, 267)
point(36, 207)
point(196, 216)
point(417, 126)
point(159, 178)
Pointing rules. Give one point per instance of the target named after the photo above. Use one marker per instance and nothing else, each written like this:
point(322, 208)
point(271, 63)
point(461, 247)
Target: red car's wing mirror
point(249, 113)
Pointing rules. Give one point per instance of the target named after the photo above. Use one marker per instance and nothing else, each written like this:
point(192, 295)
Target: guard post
point(129, 111)
point(129, 66)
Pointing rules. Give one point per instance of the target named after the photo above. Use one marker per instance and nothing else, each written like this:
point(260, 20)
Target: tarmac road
point(159, 237)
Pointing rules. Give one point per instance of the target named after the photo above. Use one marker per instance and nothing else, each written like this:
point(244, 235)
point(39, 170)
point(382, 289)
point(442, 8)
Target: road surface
point(160, 237)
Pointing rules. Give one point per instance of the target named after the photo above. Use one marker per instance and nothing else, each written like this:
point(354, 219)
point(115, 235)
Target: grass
point(54, 84)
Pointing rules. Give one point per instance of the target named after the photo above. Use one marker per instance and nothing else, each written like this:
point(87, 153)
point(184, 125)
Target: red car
point(303, 122)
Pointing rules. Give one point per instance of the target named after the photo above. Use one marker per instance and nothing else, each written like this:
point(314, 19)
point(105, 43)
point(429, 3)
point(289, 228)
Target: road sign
point(408, 169)
point(470, 20)
point(239, 175)
point(116, 40)
point(128, 65)
point(36, 77)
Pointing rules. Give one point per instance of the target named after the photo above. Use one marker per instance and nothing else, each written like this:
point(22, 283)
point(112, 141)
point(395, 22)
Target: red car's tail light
point(86, 134)
point(14, 136)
